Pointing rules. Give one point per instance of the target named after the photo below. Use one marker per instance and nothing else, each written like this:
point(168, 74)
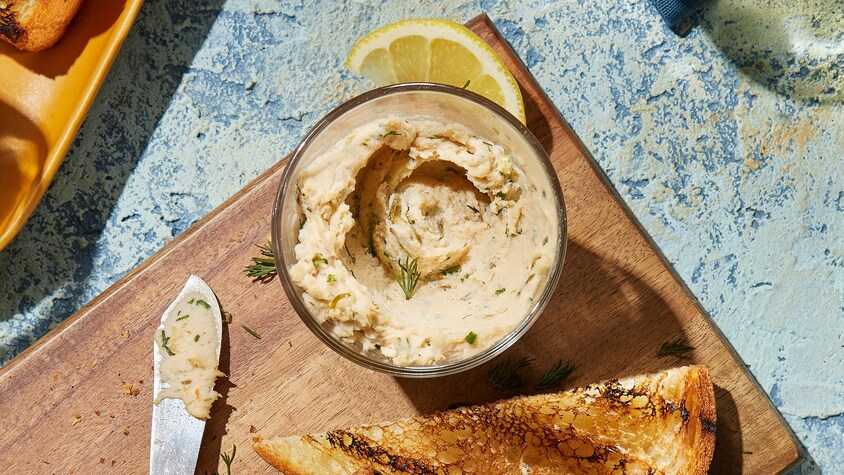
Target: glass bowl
point(445, 104)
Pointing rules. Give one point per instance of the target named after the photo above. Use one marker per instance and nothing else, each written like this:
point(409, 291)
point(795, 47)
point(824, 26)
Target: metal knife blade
point(176, 435)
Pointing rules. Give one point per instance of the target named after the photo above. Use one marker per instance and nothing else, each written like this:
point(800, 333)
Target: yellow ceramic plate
point(44, 97)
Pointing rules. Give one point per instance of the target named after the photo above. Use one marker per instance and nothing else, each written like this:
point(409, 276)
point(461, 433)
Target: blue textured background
point(726, 141)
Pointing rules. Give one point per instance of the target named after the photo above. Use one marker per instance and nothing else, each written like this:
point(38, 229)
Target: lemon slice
point(438, 51)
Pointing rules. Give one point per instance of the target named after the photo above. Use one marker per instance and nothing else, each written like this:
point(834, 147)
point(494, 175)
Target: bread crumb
point(76, 419)
point(125, 431)
point(252, 429)
point(55, 377)
point(102, 460)
point(129, 389)
point(97, 413)
point(125, 333)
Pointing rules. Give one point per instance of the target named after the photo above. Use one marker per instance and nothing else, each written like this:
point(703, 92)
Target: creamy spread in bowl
point(419, 230)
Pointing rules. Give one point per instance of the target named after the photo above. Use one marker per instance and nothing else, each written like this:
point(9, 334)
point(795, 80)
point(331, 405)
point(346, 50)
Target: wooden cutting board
point(79, 400)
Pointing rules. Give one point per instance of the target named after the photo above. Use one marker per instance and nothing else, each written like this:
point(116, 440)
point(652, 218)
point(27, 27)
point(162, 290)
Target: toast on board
point(661, 423)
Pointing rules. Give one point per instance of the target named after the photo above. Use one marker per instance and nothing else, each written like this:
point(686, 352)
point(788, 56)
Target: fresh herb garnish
point(409, 276)
point(747, 452)
point(505, 375)
point(196, 338)
point(228, 459)
point(486, 143)
point(545, 241)
point(203, 303)
point(501, 195)
point(251, 332)
point(555, 375)
point(467, 83)
point(262, 268)
point(165, 341)
point(465, 276)
point(500, 291)
point(471, 337)
point(677, 347)
point(451, 270)
point(474, 209)
point(227, 317)
point(392, 132)
point(331, 278)
point(183, 317)
point(318, 261)
point(302, 223)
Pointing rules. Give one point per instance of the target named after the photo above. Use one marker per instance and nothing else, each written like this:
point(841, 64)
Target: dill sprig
point(677, 347)
point(505, 375)
point(262, 268)
point(409, 276)
point(228, 459)
point(555, 375)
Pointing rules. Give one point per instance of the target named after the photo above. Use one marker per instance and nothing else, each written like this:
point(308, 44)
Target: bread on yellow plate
point(661, 423)
point(33, 25)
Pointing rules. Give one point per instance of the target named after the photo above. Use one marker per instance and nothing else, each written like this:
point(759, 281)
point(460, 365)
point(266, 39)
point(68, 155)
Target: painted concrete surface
point(726, 141)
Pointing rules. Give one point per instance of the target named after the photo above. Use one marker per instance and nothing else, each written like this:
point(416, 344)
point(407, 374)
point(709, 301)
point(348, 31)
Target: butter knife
point(176, 435)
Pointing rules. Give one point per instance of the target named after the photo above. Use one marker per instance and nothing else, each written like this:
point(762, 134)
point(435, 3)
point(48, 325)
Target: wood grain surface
point(79, 400)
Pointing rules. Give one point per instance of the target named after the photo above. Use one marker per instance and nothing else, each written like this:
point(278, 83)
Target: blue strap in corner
point(673, 11)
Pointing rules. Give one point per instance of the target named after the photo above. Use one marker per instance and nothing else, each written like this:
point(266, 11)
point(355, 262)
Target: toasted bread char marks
point(10, 29)
point(654, 424)
point(34, 25)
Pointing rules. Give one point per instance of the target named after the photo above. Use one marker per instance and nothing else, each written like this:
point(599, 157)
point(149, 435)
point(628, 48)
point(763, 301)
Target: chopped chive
point(471, 337)
point(486, 143)
point(473, 209)
point(331, 278)
point(500, 291)
point(467, 83)
point(251, 332)
point(545, 241)
point(182, 318)
point(501, 195)
point(203, 303)
point(318, 261)
point(196, 338)
point(191, 301)
point(392, 132)
point(451, 270)
point(165, 340)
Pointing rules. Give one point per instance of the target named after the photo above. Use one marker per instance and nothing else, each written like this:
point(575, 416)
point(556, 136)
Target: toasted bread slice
point(34, 25)
point(661, 423)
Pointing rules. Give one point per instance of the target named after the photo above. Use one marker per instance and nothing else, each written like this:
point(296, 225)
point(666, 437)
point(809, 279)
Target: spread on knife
point(421, 241)
point(187, 349)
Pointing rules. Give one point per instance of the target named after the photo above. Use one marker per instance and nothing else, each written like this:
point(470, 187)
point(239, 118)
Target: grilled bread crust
point(33, 25)
point(661, 423)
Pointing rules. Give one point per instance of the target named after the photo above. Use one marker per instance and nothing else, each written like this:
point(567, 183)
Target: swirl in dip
point(398, 190)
